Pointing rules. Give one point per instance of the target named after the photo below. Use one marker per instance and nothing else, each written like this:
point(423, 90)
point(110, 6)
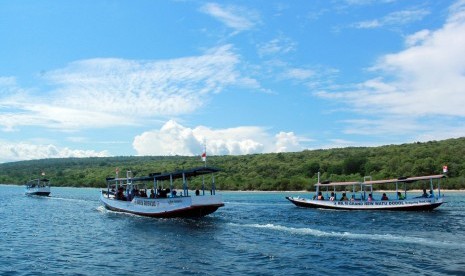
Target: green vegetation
point(274, 171)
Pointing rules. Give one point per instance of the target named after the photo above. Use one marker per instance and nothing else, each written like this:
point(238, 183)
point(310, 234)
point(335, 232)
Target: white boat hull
point(40, 191)
point(196, 206)
point(415, 204)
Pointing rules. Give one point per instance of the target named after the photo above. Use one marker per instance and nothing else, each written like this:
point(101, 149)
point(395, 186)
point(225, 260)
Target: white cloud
point(394, 19)
point(235, 17)
point(288, 141)
point(107, 92)
point(277, 46)
point(417, 38)
point(10, 152)
point(299, 73)
point(175, 139)
point(425, 79)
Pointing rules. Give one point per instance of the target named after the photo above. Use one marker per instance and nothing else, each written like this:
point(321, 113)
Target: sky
point(83, 78)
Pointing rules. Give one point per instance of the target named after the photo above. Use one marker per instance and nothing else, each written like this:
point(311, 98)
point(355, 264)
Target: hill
point(273, 171)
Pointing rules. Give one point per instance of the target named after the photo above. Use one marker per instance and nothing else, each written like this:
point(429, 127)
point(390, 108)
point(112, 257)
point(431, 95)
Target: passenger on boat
point(384, 197)
point(431, 194)
point(425, 194)
point(400, 196)
point(320, 196)
point(332, 197)
point(120, 194)
point(344, 197)
point(197, 192)
point(152, 193)
point(352, 198)
point(370, 198)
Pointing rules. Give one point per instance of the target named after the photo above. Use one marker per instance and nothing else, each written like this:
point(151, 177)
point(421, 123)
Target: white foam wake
point(349, 235)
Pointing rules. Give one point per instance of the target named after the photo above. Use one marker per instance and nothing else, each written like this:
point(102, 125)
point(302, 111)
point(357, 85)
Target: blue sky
point(112, 78)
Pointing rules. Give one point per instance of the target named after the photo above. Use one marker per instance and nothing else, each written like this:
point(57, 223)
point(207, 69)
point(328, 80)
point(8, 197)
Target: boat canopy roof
point(37, 179)
point(330, 184)
point(174, 175)
point(386, 181)
point(404, 179)
point(187, 173)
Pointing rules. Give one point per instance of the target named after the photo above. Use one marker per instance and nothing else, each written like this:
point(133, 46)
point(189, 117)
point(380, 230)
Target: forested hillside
point(274, 171)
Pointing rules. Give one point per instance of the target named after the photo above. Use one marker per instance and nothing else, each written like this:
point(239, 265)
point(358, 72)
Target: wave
point(255, 204)
point(355, 236)
point(67, 199)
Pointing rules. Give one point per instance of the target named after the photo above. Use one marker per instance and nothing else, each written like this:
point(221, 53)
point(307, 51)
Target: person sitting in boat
point(384, 197)
point(152, 193)
point(332, 197)
point(320, 196)
point(344, 197)
point(400, 196)
point(425, 194)
point(370, 198)
point(431, 194)
point(120, 194)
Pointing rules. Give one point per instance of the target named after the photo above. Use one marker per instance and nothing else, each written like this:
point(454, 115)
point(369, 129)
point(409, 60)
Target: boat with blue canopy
point(38, 186)
point(362, 195)
point(129, 194)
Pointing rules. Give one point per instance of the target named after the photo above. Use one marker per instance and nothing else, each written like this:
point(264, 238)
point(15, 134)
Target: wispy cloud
point(235, 17)
point(397, 18)
point(277, 46)
point(425, 80)
point(175, 139)
point(109, 92)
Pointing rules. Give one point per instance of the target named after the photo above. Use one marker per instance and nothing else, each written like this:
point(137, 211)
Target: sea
point(255, 233)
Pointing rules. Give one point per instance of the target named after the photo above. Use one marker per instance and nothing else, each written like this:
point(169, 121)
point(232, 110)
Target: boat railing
point(359, 189)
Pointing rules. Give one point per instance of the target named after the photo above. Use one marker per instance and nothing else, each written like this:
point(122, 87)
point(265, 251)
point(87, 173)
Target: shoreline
point(259, 191)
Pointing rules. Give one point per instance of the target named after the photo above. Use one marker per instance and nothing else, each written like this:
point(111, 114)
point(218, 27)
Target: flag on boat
point(204, 156)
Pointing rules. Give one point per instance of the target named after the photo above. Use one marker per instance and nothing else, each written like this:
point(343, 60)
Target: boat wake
point(348, 235)
point(67, 199)
point(255, 204)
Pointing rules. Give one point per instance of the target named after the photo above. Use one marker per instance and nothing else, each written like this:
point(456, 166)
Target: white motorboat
point(362, 196)
point(39, 186)
point(129, 195)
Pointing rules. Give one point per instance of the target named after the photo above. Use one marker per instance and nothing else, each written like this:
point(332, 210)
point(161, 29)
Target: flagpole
point(205, 151)
point(205, 160)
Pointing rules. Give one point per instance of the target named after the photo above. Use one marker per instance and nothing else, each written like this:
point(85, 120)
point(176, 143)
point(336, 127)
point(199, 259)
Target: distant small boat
point(38, 186)
point(129, 195)
point(361, 201)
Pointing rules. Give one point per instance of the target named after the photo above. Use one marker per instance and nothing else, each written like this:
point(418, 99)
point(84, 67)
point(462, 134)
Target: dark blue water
point(70, 233)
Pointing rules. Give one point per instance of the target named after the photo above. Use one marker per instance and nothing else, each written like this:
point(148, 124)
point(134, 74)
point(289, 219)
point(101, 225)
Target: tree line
point(273, 171)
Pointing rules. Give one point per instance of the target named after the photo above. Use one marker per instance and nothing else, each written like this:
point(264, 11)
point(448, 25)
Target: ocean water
point(70, 233)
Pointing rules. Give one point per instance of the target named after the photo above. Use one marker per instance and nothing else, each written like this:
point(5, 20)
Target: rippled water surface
point(70, 233)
